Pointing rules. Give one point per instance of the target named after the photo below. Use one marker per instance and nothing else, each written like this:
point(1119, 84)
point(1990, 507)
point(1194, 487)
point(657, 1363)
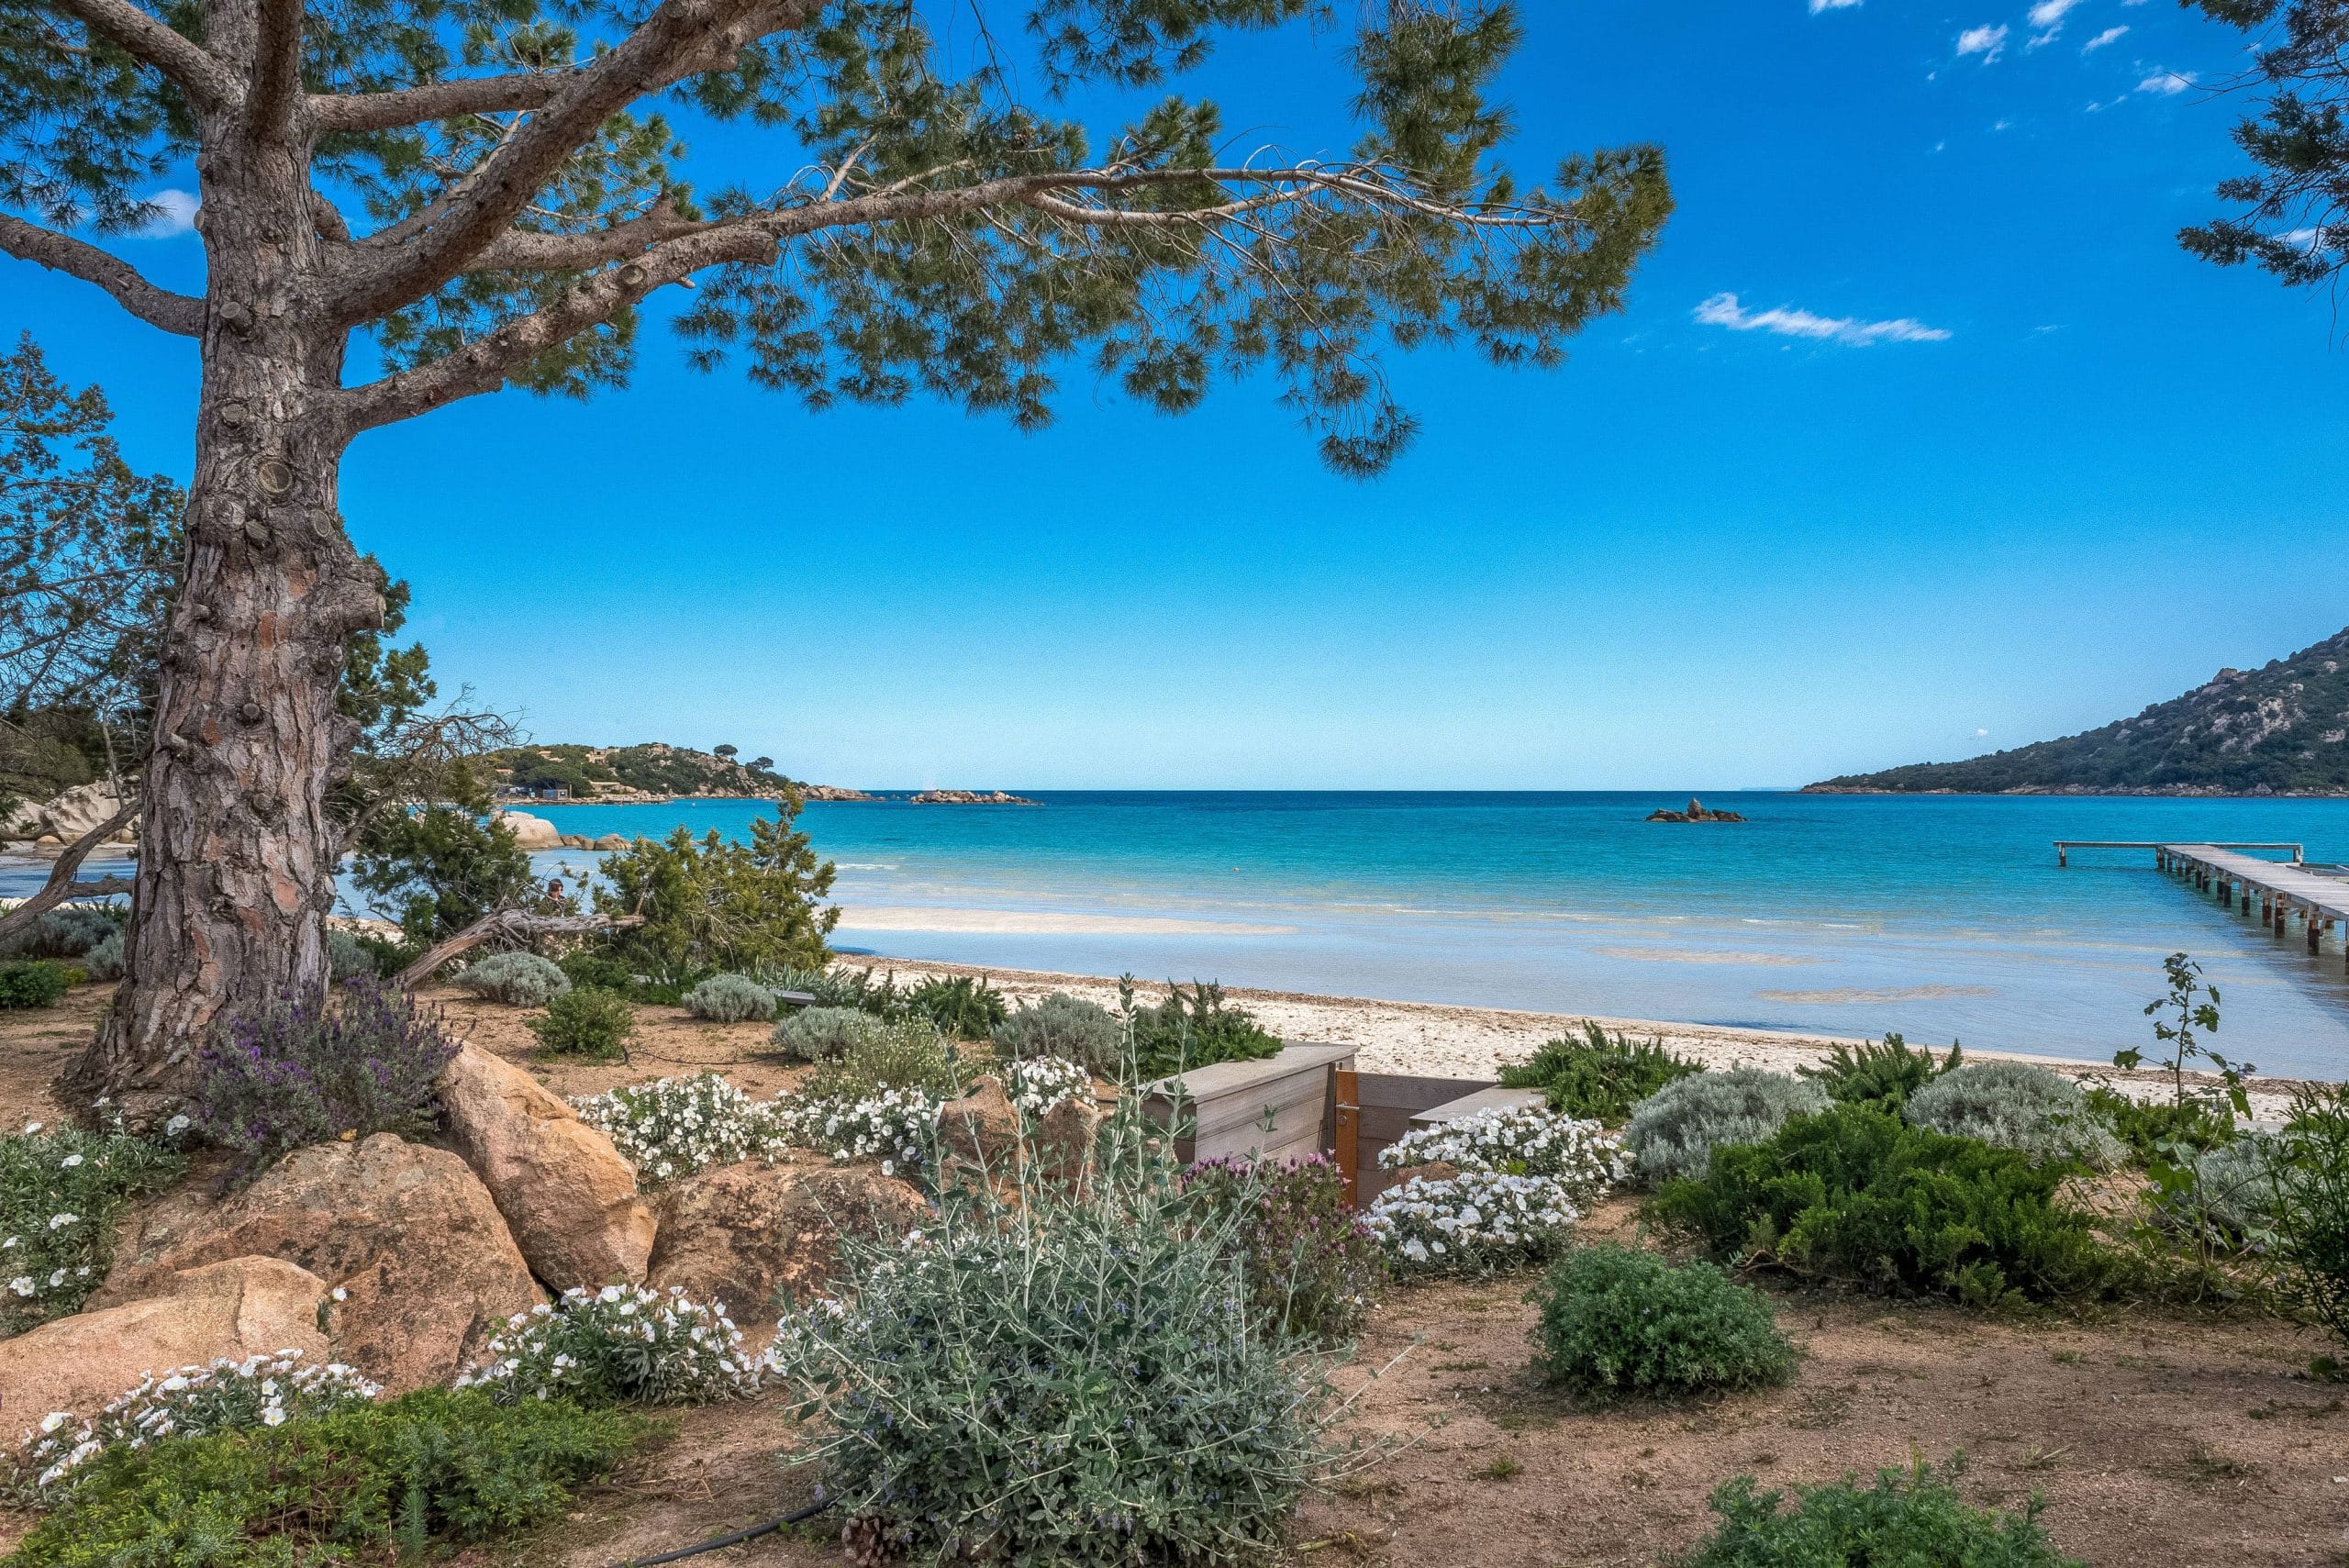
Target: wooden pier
point(2281, 890)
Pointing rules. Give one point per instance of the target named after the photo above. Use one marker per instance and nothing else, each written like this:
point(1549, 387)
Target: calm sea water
point(1941, 916)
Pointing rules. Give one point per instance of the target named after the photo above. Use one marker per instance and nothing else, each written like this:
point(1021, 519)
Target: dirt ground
point(2159, 1440)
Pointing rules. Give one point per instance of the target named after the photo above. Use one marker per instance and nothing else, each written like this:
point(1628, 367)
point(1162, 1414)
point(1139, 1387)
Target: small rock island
point(1697, 812)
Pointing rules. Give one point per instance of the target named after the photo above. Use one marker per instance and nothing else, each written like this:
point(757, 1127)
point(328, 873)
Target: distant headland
point(2279, 730)
point(655, 772)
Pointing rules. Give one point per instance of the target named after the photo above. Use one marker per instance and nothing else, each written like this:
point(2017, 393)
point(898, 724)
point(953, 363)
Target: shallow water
point(1940, 916)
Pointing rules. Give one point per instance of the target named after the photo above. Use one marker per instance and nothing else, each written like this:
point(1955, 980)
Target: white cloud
point(2000, 125)
point(2110, 35)
point(1987, 41)
point(1818, 5)
point(177, 214)
point(1722, 310)
point(2166, 83)
point(2050, 13)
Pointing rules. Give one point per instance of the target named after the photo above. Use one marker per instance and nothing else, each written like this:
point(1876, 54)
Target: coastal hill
point(654, 768)
point(2283, 730)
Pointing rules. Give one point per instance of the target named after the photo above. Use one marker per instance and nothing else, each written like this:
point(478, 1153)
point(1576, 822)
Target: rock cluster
point(969, 798)
point(531, 832)
point(67, 817)
point(1697, 812)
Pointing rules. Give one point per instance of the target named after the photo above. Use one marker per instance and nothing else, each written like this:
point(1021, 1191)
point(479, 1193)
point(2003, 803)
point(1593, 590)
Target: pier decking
point(2239, 880)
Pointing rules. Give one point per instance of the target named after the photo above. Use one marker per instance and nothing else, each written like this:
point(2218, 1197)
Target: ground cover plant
point(730, 1000)
point(896, 1125)
point(1882, 1074)
point(2161, 1129)
point(33, 982)
point(105, 961)
point(72, 932)
point(585, 1022)
point(1910, 1519)
point(820, 1034)
point(675, 1128)
point(1618, 1320)
point(1476, 1223)
point(518, 979)
point(191, 1402)
point(983, 1392)
point(1857, 1195)
point(309, 1070)
point(1674, 1132)
point(962, 1007)
point(2312, 1206)
point(905, 1054)
point(1518, 1142)
point(1061, 1025)
point(429, 1469)
point(1036, 1085)
point(1312, 1264)
point(2015, 1105)
point(622, 1344)
point(1599, 1076)
point(61, 1192)
point(1193, 1027)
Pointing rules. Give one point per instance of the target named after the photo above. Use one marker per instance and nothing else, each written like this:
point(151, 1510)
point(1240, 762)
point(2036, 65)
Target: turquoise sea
point(1941, 916)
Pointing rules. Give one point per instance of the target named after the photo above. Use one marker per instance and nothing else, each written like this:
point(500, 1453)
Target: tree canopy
point(2295, 209)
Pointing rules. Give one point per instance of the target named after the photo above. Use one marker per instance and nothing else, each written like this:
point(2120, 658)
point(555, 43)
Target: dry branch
point(512, 924)
point(61, 885)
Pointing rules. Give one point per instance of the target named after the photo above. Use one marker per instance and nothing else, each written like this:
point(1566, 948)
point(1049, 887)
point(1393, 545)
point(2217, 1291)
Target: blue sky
point(1920, 437)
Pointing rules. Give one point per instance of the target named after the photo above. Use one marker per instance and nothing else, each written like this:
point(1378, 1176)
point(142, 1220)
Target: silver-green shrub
point(2235, 1186)
point(1064, 1026)
point(2014, 1104)
point(519, 979)
point(730, 1000)
point(1058, 1376)
point(105, 961)
point(1673, 1131)
point(822, 1034)
point(346, 958)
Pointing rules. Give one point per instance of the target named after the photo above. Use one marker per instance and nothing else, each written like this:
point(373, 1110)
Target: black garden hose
point(739, 1535)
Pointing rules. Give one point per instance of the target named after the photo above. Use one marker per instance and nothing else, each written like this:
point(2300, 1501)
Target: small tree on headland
point(2295, 209)
point(491, 194)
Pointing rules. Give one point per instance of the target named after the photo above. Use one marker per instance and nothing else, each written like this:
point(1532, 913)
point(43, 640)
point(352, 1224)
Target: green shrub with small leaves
point(426, 1471)
point(1617, 1320)
point(907, 1054)
point(730, 1000)
point(962, 1007)
point(2157, 1130)
point(1601, 1075)
point(2014, 1104)
point(821, 1034)
point(585, 1022)
point(1197, 1026)
point(1674, 1131)
point(1067, 1027)
point(1859, 1197)
point(1883, 1076)
point(518, 979)
point(1910, 1519)
point(2312, 1211)
point(68, 932)
point(33, 982)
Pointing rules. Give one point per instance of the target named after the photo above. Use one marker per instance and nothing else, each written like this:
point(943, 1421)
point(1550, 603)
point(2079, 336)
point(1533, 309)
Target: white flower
point(59, 1221)
point(176, 1125)
point(22, 1284)
point(69, 1162)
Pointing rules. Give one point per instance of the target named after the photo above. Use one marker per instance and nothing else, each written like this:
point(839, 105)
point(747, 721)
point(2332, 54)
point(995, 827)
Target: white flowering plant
point(622, 1344)
point(264, 1390)
point(60, 1192)
point(897, 1126)
point(672, 1128)
point(1516, 1141)
point(1478, 1222)
point(1038, 1085)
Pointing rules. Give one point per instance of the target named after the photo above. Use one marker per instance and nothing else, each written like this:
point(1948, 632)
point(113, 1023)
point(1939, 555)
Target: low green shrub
point(1673, 1131)
point(388, 955)
point(622, 1344)
point(1312, 1265)
point(591, 964)
point(106, 961)
point(1061, 1025)
point(71, 931)
point(1858, 1196)
point(583, 1021)
point(1882, 1075)
point(1194, 1028)
point(2157, 1130)
point(2313, 1215)
point(1601, 1075)
point(518, 979)
point(62, 1193)
point(907, 1054)
point(429, 1468)
point(32, 983)
point(1910, 1519)
point(2014, 1104)
point(962, 1007)
point(1618, 1320)
point(730, 1000)
point(821, 1034)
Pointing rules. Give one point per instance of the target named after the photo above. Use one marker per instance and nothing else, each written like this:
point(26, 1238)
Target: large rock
point(409, 1234)
point(68, 816)
point(982, 1132)
point(567, 1196)
point(747, 1234)
point(232, 1310)
point(531, 832)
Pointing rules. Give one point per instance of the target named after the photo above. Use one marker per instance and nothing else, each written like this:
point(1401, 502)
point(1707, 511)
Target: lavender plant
point(306, 1070)
point(1312, 1264)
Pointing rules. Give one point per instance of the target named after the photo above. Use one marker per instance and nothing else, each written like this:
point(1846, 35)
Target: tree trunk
point(236, 849)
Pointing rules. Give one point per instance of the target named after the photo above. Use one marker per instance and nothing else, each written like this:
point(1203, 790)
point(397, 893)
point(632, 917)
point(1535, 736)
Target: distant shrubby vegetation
point(2275, 730)
point(654, 768)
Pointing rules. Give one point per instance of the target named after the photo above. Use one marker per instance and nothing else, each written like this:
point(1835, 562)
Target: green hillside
point(652, 768)
point(2283, 730)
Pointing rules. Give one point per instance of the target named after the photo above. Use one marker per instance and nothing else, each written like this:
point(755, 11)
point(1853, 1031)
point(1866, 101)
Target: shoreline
point(1448, 1039)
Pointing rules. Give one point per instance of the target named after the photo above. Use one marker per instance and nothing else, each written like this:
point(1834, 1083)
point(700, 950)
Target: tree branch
point(511, 923)
point(205, 80)
point(78, 258)
point(437, 101)
point(61, 884)
point(680, 38)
